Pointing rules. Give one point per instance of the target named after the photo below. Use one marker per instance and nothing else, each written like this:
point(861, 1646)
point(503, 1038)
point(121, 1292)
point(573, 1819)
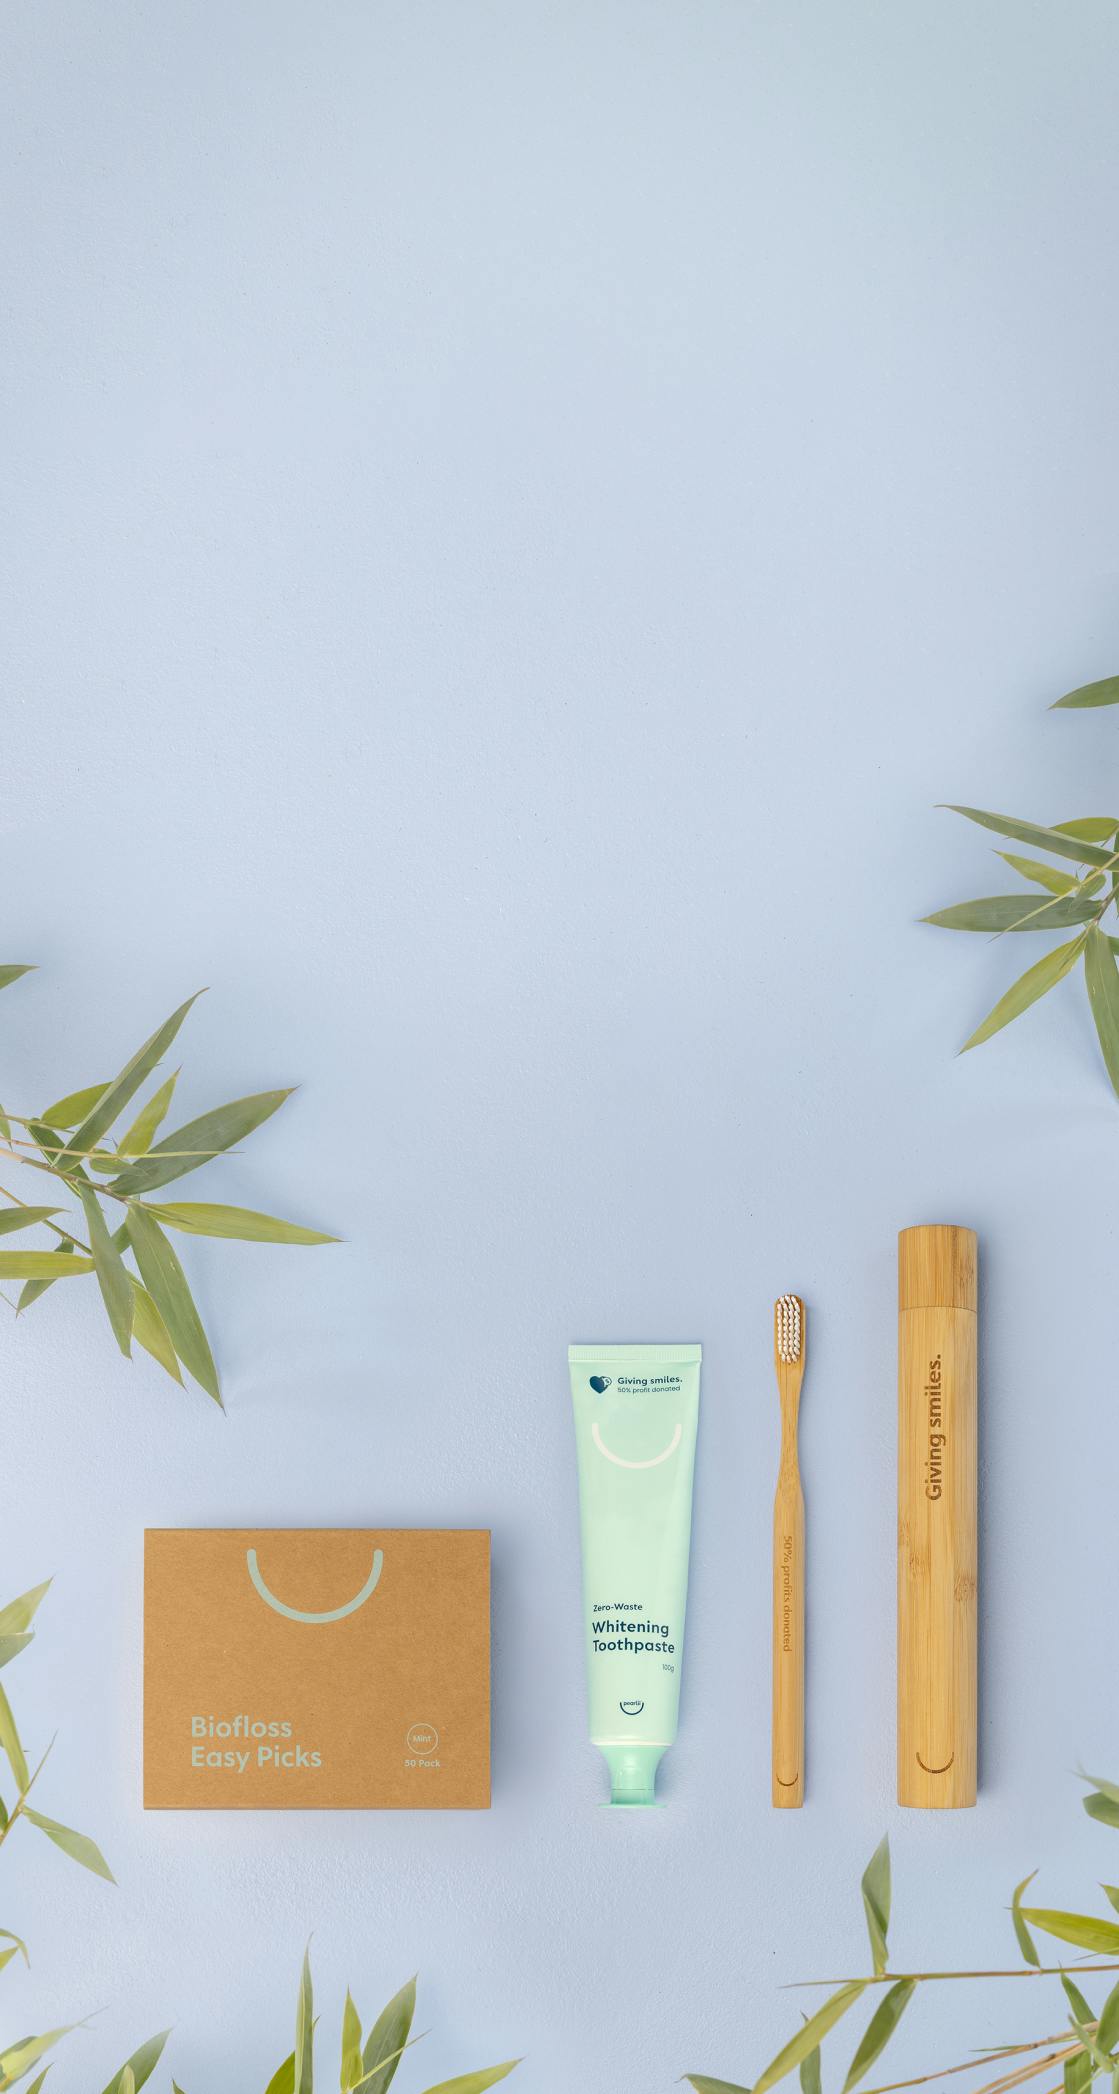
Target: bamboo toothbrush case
point(937, 1517)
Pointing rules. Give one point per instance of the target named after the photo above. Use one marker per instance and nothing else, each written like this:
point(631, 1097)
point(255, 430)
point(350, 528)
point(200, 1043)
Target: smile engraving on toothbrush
point(936, 1770)
point(299, 1613)
point(654, 1459)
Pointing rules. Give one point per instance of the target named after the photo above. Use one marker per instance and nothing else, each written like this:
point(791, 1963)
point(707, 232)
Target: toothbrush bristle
point(788, 1327)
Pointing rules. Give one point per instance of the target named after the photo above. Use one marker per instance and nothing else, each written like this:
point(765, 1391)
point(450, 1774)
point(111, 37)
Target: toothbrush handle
point(788, 1645)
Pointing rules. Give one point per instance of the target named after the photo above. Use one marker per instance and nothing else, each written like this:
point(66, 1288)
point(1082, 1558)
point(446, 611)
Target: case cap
point(938, 1267)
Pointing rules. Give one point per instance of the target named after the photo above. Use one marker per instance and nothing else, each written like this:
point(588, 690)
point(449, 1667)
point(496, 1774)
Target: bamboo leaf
point(21, 1946)
point(1106, 1788)
point(200, 1218)
point(32, 1289)
point(1022, 1933)
point(1106, 692)
point(198, 1142)
point(6, 1956)
point(880, 2028)
point(810, 2077)
point(51, 1148)
point(149, 1119)
point(10, 974)
point(150, 1331)
point(813, 2032)
point(24, 1218)
point(9, 1741)
point(140, 2065)
point(1107, 2033)
point(1085, 1932)
point(40, 1265)
point(304, 2031)
point(124, 1087)
point(351, 2046)
point(1041, 875)
point(1093, 828)
point(1111, 1892)
point(19, 1614)
point(1029, 988)
point(126, 2084)
point(38, 2083)
point(22, 2055)
point(475, 2082)
point(283, 2079)
point(1076, 2000)
point(113, 1280)
point(1015, 912)
point(876, 1902)
point(165, 1281)
point(1102, 977)
point(1078, 2073)
point(1103, 1808)
point(1059, 841)
point(385, 2042)
point(66, 1112)
point(703, 2084)
point(76, 1844)
point(10, 1647)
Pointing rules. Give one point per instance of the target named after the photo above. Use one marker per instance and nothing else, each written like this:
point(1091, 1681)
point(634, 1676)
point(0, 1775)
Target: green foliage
point(15, 1628)
point(369, 2068)
point(148, 1300)
point(139, 2068)
point(18, 2059)
point(1056, 899)
point(876, 1892)
point(1104, 693)
point(373, 2066)
point(1087, 2050)
point(384, 2046)
point(1022, 1933)
point(879, 2029)
point(704, 2084)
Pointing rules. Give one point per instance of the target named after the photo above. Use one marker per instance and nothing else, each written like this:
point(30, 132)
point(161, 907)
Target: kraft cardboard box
point(294, 1669)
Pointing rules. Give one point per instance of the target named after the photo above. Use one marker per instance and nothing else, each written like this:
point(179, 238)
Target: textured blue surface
point(514, 516)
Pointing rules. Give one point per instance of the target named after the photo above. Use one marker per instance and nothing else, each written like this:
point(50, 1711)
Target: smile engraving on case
point(654, 1459)
point(787, 1784)
point(936, 1770)
point(298, 1613)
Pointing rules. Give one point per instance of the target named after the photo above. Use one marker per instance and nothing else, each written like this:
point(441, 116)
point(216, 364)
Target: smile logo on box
point(631, 1708)
point(300, 1613)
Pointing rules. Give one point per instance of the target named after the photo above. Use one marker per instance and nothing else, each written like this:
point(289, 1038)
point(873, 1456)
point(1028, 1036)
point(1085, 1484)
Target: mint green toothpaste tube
point(636, 1411)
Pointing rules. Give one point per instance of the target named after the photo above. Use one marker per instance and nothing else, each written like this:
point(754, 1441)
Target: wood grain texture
point(937, 1520)
point(787, 1785)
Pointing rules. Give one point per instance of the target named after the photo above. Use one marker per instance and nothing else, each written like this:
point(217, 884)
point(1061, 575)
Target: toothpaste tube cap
point(633, 1772)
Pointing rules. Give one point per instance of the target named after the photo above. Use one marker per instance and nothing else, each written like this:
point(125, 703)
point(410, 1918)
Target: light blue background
point(514, 516)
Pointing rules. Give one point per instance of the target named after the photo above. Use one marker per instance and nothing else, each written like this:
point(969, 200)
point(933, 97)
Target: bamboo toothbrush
point(788, 1563)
